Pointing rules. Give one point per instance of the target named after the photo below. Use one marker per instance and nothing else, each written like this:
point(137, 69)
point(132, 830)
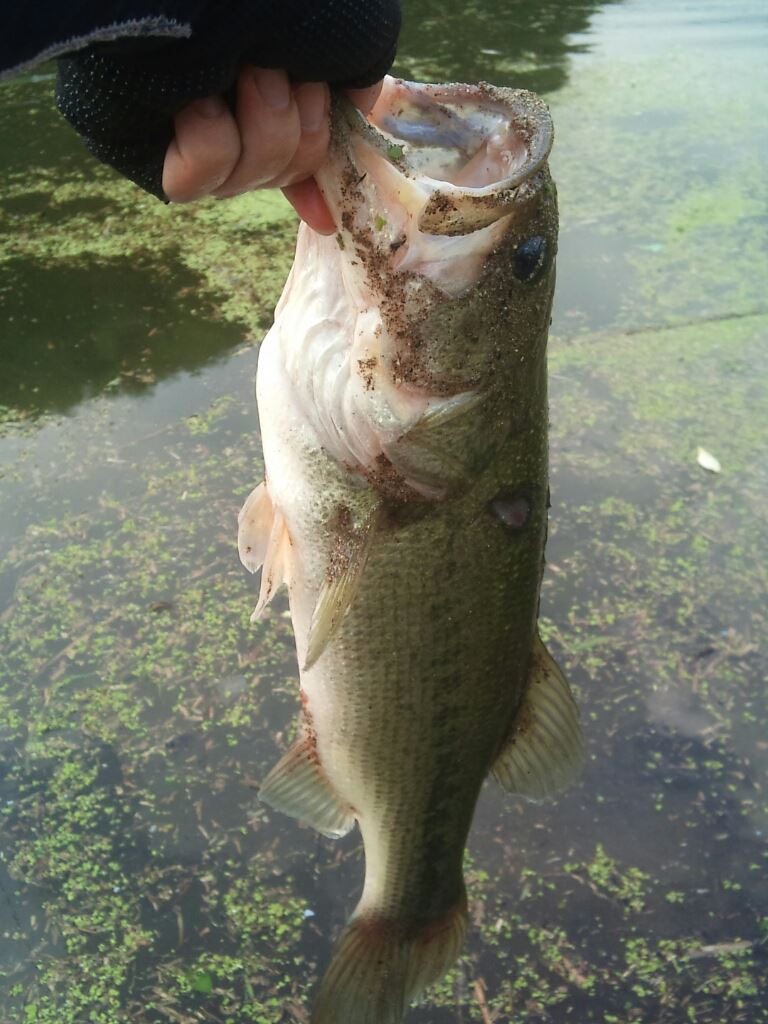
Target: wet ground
point(140, 880)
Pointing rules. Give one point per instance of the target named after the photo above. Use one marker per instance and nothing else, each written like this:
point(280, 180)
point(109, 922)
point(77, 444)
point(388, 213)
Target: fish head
point(445, 204)
point(414, 340)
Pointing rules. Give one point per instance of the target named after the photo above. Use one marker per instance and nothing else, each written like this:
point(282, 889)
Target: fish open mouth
point(432, 181)
point(471, 148)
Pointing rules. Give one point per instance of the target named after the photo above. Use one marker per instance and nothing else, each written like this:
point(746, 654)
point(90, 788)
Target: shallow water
point(140, 880)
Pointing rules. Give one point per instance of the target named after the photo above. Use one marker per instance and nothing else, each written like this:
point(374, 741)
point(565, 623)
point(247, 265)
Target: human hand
point(277, 138)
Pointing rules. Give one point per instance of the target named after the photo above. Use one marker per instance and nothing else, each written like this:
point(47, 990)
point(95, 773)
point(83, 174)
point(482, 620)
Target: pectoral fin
point(297, 786)
point(447, 445)
point(340, 585)
point(263, 540)
point(544, 750)
point(444, 411)
point(433, 438)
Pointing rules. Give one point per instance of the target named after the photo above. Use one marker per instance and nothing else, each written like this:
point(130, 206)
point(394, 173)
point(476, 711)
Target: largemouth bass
point(402, 395)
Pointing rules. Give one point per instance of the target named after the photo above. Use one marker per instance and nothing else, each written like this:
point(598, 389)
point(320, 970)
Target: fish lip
point(454, 211)
point(460, 209)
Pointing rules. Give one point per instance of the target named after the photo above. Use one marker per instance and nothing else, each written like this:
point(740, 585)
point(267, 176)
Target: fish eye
point(529, 258)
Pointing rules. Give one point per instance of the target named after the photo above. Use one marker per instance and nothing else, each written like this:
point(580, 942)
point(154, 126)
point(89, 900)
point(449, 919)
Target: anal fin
point(263, 540)
point(544, 749)
point(298, 786)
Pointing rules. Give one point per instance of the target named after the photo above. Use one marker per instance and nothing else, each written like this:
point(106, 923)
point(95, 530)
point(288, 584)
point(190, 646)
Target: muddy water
point(140, 881)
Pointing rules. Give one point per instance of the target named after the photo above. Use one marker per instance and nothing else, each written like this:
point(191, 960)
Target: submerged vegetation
point(140, 880)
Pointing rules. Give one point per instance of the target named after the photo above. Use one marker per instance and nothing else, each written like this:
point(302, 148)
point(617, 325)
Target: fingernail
point(273, 87)
point(312, 100)
point(209, 106)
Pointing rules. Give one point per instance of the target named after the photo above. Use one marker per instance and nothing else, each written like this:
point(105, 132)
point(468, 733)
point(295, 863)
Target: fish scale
point(405, 508)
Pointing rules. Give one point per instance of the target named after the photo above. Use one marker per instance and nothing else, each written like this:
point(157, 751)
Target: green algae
point(699, 385)
point(136, 609)
point(139, 663)
point(239, 251)
point(637, 163)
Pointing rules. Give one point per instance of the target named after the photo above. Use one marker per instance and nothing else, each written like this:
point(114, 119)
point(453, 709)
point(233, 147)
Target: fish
point(402, 398)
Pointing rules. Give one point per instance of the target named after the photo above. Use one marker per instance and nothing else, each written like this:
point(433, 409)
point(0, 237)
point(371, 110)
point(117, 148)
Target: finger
point(268, 117)
point(365, 99)
point(313, 101)
point(307, 200)
point(205, 149)
point(305, 196)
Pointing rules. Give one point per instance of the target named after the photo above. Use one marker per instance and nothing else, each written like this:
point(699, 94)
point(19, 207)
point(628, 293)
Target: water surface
point(140, 880)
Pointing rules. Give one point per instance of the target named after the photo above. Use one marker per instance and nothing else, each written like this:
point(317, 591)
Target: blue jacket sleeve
point(125, 68)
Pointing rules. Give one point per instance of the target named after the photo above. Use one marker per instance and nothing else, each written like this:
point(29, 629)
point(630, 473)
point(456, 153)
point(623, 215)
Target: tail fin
point(378, 967)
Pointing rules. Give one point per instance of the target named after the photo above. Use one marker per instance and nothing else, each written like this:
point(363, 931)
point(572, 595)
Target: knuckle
point(202, 156)
point(308, 158)
point(275, 153)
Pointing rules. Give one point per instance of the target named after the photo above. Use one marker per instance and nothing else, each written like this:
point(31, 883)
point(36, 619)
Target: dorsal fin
point(544, 749)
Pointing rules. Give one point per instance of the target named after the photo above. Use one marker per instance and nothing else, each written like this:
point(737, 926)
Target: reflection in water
point(521, 43)
point(104, 288)
point(70, 332)
point(408, 522)
point(141, 881)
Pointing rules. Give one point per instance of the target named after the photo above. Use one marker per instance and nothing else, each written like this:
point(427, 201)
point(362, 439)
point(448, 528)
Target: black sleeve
point(131, 66)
